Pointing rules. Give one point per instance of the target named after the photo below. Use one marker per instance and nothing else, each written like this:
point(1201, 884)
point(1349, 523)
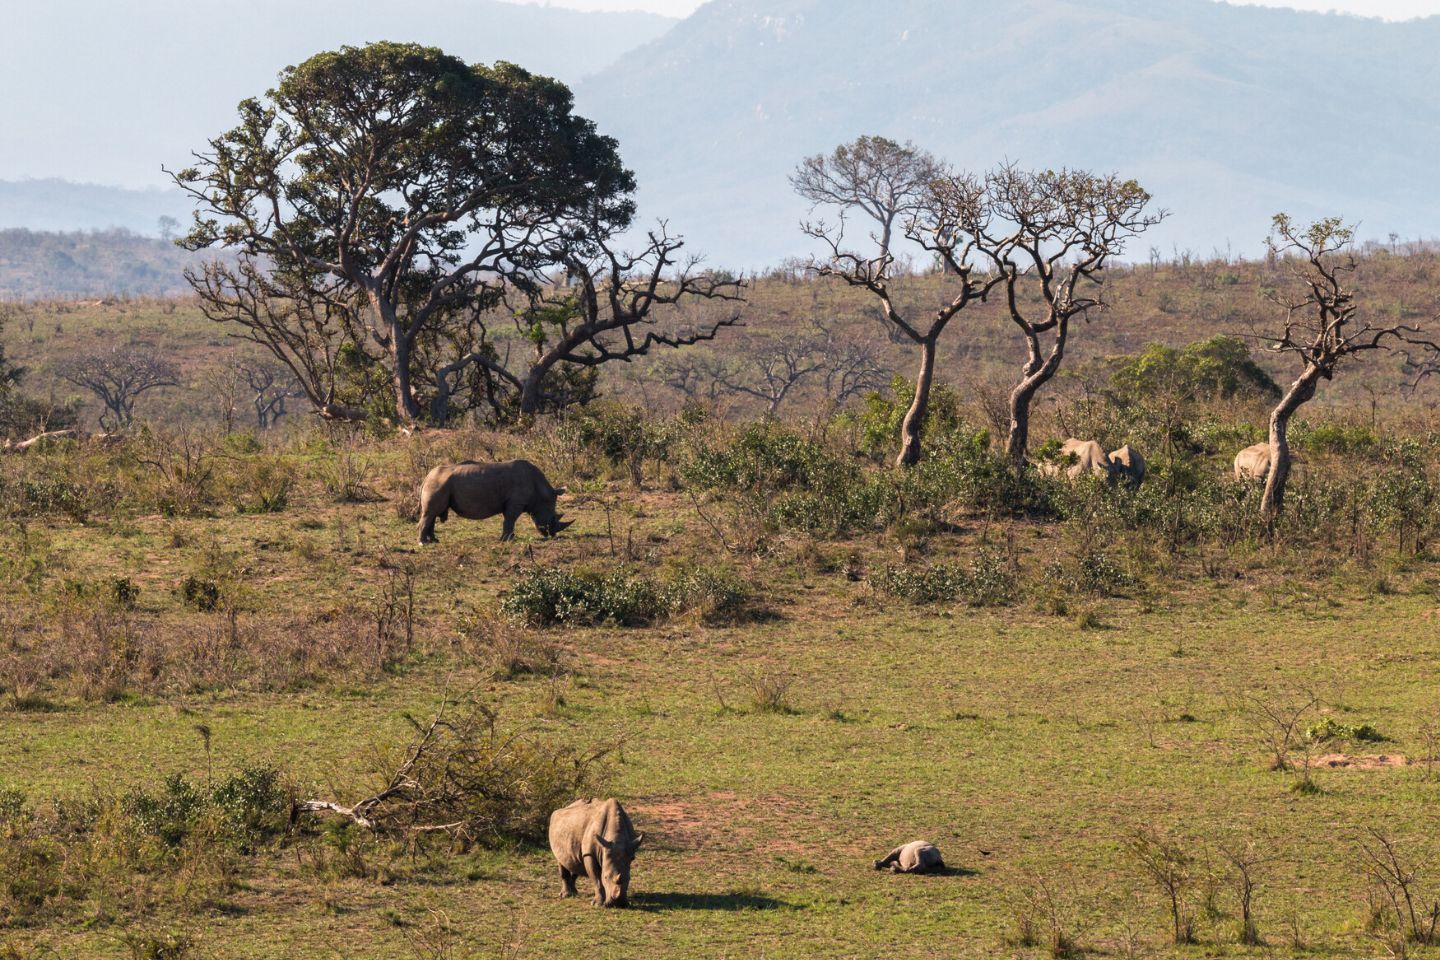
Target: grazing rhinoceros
point(1128, 465)
point(1253, 463)
point(477, 491)
point(597, 839)
point(918, 856)
point(1078, 458)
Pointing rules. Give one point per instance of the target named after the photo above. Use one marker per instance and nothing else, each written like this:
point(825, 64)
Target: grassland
point(1029, 741)
point(1099, 663)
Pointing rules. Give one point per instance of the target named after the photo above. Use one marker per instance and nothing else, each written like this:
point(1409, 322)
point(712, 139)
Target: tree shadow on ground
point(707, 901)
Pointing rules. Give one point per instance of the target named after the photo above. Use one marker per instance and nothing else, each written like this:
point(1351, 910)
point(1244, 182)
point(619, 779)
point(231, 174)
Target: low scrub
point(119, 856)
point(465, 776)
point(555, 596)
point(988, 581)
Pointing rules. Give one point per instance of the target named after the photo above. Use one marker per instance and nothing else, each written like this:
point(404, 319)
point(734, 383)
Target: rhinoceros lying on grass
point(477, 491)
point(918, 856)
point(597, 839)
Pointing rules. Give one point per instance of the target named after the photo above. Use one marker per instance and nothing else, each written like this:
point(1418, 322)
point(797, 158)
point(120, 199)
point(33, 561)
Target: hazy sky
point(1390, 9)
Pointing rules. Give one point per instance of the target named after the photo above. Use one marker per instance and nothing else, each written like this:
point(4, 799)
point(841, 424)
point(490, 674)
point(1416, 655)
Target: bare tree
point(607, 306)
point(944, 222)
point(305, 323)
point(1171, 867)
point(271, 388)
point(117, 378)
point(1415, 915)
point(887, 181)
point(851, 368)
point(695, 377)
point(223, 385)
point(773, 370)
point(1320, 328)
point(1052, 234)
point(1245, 865)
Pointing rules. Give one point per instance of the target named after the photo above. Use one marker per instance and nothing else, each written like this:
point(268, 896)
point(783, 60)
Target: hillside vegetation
point(1168, 303)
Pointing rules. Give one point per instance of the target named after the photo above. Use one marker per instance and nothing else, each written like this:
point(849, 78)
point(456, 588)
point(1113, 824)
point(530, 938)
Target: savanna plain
point(1137, 722)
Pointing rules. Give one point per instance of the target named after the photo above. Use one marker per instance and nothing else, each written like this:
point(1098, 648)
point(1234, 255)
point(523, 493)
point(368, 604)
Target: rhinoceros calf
point(1253, 463)
point(1128, 465)
point(597, 839)
point(918, 856)
point(478, 491)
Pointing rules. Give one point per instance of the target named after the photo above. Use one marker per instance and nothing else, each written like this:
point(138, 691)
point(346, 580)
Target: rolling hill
point(1228, 114)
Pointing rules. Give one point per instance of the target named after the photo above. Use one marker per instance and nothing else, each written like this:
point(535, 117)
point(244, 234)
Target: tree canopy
point(388, 192)
point(1218, 367)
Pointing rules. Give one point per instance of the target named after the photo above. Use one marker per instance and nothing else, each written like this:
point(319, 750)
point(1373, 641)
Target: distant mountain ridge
point(1226, 113)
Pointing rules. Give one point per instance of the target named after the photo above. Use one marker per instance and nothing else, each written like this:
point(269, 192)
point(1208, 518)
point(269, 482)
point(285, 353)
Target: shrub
point(1327, 728)
point(879, 422)
point(550, 596)
point(1094, 571)
point(124, 593)
point(199, 594)
point(989, 581)
point(554, 595)
point(137, 852)
point(480, 782)
point(623, 436)
point(264, 485)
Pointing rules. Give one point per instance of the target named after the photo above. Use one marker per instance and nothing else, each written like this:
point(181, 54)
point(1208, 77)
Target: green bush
point(553, 596)
point(879, 422)
point(1328, 728)
point(124, 593)
point(988, 581)
point(200, 595)
point(1340, 440)
point(622, 436)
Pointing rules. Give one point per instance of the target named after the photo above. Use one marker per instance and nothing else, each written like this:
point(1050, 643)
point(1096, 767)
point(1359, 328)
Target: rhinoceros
point(477, 491)
point(918, 856)
point(1077, 459)
point(1128, 464)
point(1253, 463)
point(597, 839)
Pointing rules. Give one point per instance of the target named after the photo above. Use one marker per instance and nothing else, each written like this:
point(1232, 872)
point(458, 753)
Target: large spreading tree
point(382, 198)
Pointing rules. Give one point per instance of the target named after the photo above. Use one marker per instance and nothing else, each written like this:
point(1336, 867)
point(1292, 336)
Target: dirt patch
point(720, 820)
point(1381, 761)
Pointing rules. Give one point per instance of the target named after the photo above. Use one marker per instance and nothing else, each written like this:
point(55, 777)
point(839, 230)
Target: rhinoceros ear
point(635, 844)
point(560, 491)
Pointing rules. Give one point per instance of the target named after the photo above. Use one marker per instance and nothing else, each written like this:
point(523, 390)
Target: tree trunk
point(406, 408)
point(1018, 442)
point(1038, 372)
point(530, 394)
point(401, 347)
point(1301, 391)
point(914, 424)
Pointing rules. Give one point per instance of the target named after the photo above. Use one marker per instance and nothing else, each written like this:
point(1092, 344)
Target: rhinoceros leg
point(568, 879)
point(507, 532)
point(592, 867)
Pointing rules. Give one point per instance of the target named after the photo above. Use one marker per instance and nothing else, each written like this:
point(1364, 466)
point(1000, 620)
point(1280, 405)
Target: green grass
point(1016, 741)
